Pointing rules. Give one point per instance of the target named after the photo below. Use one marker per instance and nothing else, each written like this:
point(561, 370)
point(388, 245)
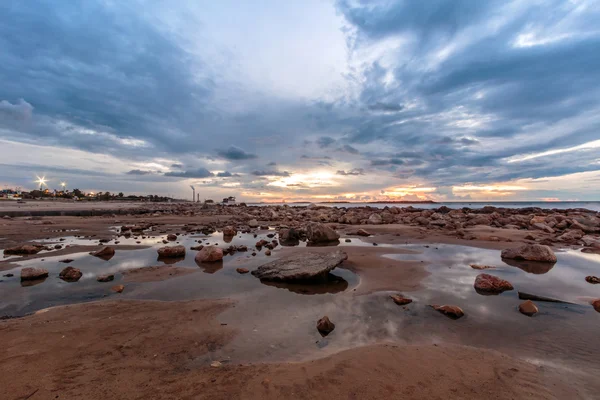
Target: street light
point(64, 185)
point(41, 181)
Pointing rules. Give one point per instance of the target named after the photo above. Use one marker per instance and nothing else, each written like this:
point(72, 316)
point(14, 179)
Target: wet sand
point(129, 346)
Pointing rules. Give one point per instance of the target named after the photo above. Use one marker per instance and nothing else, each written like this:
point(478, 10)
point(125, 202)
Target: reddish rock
point(592, 279)
point(31, 274)
point(171, 252)
point(267, 252)
point(106, 253)
point(319, 233)
point(70, 274)
point(209, 254)
point(528, 308)
point(362, 232)
point(479, 266)
point(242, 270)
point(596, 304)
point(24, 249)
point(530, 252)
point(325, 326)
point(118, 288)
point(400, 300)
point(229, 231)
point(453, 312)
point(171, 237)
point(491, 284)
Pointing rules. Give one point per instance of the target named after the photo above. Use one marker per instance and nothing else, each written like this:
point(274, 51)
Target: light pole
point(41, 181)
point(64, 185)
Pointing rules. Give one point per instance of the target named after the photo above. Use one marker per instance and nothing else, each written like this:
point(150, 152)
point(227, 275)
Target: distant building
point(229, 201)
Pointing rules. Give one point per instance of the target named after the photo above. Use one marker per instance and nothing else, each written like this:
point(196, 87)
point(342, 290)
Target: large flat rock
point(302, 266)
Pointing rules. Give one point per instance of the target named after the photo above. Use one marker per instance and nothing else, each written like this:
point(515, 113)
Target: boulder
point(571, 235)
point(209, 254)
point(105, 278)
point(229, 231)
point(530, 252)
point(319, 233)
point(171, 237)
point(289, 236)
point(70, 274)
point(171, 252)
point(325, 326)
point(31, 274)
point(105, 253)
point(528, 308)
point(253, 223)
point(491, 284)
point(592, 279)
point(302, 266)
point(453, 312)
point(24, 249)
point(400, 300)
point(375, 219)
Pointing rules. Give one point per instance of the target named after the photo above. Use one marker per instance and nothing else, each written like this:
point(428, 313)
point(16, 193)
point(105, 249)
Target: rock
point(105, 278)
point(542, 227)
point(319, 233)
point(529, 296)
point(197, 248)
point(491, 284)
point(289, 237)
point(171, 252)
point(325, 326)
point(67, 260)
point(362, 232)
point(302, 266)
point(118, 288)
point(530, 252)
point(171, 237)
point(31, 274)
point(479, 266)
point(400, 300)
point(70, 274)
point(242, 270)
point(105, 253)
point(348, 241)
point(253, 223)
point(229, 231)
point(267, 252)
point(528, 308)
point(24, 249)
point(571, 235)
point(596, 305)
point(453, 312)
point(375, 219)
point(592, 279)
point(209, 254)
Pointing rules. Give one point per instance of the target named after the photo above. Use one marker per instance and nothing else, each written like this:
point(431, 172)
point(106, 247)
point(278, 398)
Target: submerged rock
point(491, 284)
point(302, 266)
point(400, 300)
point(105, 278)
point(528, 308)
point(31, 274)
point(70, 274)
point(453, 312)
point(530, 252)
point(209, 254)
point(171, 251)
point(479, 266)
point(325, 326)
point(319, 233)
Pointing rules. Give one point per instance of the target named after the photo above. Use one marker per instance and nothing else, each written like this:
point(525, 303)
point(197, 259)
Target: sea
point(561, 205)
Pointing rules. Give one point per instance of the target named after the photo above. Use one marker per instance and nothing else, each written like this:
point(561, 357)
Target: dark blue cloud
point(139, 172)
point(199, 173)
point(235, 153)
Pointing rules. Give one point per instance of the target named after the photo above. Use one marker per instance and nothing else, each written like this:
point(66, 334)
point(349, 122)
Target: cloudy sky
point(315, 99)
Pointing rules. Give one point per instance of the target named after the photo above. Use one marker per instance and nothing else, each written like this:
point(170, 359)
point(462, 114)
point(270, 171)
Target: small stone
point(528, 308)
point(453, 312)
point(70, 274)
point(348, 241)
point(592, 279)
point(325, 326)
point(171, 252)
point(362, 232)
point(216, 364)
point(105, 278)
point(209, 254)
point(171, 237)
point(400, 300)
point(267, 252)
point(486, 283)
point(118, 288)
point(105, 253)
point(479, 266)
point(242, 270)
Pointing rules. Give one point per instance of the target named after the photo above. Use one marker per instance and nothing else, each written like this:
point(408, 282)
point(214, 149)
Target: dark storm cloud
point(354, 172)
point(199, 173)
point(270, 173)
point(139, 172)
point(235, 153)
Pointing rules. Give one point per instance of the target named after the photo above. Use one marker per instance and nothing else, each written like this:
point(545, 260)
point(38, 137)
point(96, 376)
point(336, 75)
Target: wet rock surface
point(452, 312)
point(24, 249)
point(528, 308)
point(325, 326)
point(31, 274)
point(70, 274)
point(171, 251)
point(530, 252)
point(302, 266)
point(400, 299)
point(105, 253)
point(320, 233)
point(490, 284)
point(209, 254)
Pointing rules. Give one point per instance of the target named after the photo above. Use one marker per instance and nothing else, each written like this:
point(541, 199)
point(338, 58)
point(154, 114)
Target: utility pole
point(193, 193)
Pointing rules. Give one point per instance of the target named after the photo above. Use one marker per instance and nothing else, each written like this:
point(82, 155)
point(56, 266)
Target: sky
point(318, 100)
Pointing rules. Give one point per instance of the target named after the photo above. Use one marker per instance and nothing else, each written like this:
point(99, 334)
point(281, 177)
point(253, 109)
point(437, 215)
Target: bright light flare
point(41, 181)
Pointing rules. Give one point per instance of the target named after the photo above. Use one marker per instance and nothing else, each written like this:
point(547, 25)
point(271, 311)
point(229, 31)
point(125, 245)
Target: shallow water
point(277, 322)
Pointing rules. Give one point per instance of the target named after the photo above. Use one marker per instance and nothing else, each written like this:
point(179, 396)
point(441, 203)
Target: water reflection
point(331, 284)
point(532, 267)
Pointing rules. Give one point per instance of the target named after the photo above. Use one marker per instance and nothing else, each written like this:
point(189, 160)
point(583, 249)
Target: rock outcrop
point(530, 252)
point(302, 266)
